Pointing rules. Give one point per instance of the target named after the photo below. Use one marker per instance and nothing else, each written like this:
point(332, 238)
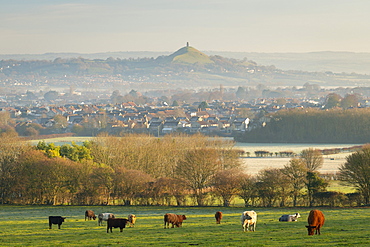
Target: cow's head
point(183, 217)
point(311, 230)
point(94, 217)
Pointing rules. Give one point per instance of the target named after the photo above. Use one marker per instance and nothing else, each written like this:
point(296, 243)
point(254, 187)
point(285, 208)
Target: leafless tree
point(312, 158)
point(226, 184)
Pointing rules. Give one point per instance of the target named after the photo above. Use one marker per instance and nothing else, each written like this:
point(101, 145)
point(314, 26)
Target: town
point(220, 111)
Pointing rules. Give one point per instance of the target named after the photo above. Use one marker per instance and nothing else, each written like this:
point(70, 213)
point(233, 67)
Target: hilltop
point(189, 55)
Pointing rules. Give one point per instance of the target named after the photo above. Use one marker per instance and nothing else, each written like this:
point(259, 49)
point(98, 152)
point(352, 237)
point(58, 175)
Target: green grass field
point(28, 226)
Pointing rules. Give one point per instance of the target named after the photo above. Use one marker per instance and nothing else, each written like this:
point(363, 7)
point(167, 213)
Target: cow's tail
point(165, 220)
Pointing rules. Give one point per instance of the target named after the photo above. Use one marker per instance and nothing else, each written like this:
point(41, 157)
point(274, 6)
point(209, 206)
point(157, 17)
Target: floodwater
point(255, 164)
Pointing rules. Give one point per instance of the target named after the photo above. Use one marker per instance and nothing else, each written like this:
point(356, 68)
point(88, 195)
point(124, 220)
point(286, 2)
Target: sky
point(92, 26)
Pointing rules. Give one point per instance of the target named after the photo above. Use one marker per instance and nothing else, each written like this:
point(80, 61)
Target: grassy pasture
point(28, 226)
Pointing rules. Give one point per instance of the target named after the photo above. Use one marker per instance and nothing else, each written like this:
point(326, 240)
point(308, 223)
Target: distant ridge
point(335, 61)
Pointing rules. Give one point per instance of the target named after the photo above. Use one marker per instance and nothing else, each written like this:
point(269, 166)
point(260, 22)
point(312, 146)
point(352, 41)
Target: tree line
point(173, 170)
point(313, 126)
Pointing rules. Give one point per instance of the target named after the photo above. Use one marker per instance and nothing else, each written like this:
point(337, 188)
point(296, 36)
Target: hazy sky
point(90, 26)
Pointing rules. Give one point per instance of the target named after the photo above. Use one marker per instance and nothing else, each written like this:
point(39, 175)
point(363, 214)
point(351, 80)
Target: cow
point(105, 217)
point(56, 220)
point(290, 217)
point(131, 219)
point(174, 219)
point(218, 216)
point(315, 220)
point(89, 214)
point(116, 222)
point(249, 220)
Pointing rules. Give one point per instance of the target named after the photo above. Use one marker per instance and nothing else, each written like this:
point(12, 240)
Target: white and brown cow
point(132, 220)
point(249, 220)
point(104, 217)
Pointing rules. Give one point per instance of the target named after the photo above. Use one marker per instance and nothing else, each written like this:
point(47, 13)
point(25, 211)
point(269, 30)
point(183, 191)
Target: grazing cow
point(315, 220)
point(249, 220)
point(218, 216)
point(116, 222)
point(174, 219)
point(132, 219)
point(89, 214)
point(56, 220)
point(290, 217)
point(105, 217)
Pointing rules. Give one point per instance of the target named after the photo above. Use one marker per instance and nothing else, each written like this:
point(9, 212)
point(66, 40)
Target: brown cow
point(89, 214)
point(218, 216)
point(174, 219)
point(315, 220)
point(116, 222)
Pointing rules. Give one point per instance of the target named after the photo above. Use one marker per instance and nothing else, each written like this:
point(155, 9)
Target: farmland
point(28, 226)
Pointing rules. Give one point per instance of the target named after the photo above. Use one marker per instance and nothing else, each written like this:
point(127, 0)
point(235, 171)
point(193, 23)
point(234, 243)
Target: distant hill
point(189, 55)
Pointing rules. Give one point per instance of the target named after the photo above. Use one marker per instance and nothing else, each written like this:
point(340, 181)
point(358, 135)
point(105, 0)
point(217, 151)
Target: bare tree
point(312, 158)
point(197, 168)
point(135, 184)
point(272, 185)
point(226, 185)
point(247, 189)
point(11, 148)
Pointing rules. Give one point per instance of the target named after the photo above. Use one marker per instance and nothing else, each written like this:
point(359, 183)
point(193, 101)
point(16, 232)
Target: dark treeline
point(313, 126)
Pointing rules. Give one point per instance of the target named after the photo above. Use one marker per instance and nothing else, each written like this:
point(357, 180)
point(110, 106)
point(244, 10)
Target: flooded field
point(254, 164)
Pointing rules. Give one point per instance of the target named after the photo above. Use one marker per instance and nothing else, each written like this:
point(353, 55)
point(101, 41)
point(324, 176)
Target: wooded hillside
point(313, 126)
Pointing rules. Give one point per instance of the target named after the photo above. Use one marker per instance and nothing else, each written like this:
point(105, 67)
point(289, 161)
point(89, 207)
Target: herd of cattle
point(248, 219)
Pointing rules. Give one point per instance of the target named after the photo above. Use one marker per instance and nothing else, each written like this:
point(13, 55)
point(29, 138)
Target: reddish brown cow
point(218, 216)
point(174, 219)
point(315, 220)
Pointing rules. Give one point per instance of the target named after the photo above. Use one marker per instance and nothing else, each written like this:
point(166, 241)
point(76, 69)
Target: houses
point(132, 118)
point(223, 118)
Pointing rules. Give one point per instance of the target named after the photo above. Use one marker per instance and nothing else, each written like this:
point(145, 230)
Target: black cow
point(56, 220)
point(116, 222)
